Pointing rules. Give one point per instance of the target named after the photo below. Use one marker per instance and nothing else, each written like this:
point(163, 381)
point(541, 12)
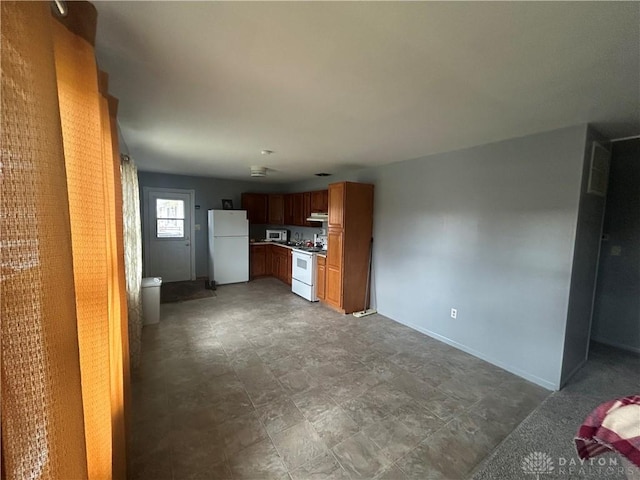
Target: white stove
point(303, 274)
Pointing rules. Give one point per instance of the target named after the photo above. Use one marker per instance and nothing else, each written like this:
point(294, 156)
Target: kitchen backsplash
point(257, 232)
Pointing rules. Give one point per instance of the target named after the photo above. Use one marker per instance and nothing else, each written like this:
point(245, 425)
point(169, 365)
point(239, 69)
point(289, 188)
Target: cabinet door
point(333, 289)
point(275, 263)
point(336, 205)
point(289, 266)
point(335, 245)
point(320, 282)
point(256, 206)
point(288, 210)
point(298, 209)
point(320, 201)
point(268, 260)
point(284, 264)
point(334, 268)
point(276, 209)
point(307, 210)
point(258, 261)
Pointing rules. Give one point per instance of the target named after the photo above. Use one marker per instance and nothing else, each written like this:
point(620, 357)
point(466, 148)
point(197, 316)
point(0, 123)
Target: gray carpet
point(551, 427)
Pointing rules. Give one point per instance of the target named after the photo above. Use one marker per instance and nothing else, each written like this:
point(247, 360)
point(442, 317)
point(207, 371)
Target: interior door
point(169, 249)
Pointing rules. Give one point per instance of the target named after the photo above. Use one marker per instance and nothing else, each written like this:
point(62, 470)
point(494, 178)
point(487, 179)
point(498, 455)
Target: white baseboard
point(516, 371)
point(621, 346)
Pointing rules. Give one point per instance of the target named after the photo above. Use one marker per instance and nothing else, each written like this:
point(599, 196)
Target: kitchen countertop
point(290, 247)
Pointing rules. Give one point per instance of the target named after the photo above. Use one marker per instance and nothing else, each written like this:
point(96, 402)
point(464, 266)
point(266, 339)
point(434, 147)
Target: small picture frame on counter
point(227, 204)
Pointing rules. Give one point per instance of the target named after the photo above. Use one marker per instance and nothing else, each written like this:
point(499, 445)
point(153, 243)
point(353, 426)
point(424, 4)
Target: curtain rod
point(61, 7)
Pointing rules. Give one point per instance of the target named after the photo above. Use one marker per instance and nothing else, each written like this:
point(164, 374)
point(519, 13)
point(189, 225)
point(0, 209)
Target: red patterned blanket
point(613, 426)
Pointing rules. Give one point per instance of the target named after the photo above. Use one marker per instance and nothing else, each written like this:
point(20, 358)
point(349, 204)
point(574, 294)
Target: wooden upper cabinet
point(276, 209)
point(285, 209)
point(336, 205)
point(320, 201)
point(288, 209)
point(298, 208)
point(306, 209)
point(256, 206)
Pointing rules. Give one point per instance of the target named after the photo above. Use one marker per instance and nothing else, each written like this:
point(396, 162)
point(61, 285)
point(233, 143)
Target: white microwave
point(277, 235)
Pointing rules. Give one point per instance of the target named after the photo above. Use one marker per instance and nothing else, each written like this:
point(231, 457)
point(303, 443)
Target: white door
point(169, 230)
point(228, 223)
point(230, 259)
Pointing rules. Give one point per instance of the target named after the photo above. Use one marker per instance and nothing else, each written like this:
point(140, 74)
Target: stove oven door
point(302, 267)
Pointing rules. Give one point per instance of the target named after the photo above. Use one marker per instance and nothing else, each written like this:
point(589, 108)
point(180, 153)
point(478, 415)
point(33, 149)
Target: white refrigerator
point(228, 246)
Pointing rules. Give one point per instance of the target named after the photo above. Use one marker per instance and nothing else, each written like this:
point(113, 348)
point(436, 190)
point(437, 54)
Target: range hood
point(318, 217)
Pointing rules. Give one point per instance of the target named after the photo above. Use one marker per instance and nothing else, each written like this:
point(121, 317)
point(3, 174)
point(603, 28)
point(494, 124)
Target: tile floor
point(257, 383)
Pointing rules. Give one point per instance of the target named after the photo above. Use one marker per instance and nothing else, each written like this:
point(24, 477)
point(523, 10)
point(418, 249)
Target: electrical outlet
point(197, 226)
point(454, 313)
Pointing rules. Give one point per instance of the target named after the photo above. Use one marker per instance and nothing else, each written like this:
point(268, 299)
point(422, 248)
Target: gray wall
point(616, 319)
point(209, 193)
point(583, 274)
point(488, 230)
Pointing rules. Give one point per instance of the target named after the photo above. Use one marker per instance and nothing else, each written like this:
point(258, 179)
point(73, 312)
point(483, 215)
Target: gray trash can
point(151, 300)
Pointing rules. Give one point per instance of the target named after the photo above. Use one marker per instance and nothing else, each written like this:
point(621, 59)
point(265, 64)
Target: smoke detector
point(258, 171)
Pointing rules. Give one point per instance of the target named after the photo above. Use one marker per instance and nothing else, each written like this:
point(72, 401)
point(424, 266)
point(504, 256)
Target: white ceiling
point(205, 86)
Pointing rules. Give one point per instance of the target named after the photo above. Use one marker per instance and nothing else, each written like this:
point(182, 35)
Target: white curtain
point(132, 254)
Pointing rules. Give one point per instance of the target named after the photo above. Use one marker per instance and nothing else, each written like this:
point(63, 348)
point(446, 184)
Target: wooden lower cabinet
point(270, 260)
point(275, 262)
point(284, 266)
point(320, 277)
point(258, 261)
point(333, 289)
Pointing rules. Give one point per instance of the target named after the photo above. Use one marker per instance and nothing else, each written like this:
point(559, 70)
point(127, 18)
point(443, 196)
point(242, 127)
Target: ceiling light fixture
point(322, 174)
point(266, 152)
point(257, 171)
